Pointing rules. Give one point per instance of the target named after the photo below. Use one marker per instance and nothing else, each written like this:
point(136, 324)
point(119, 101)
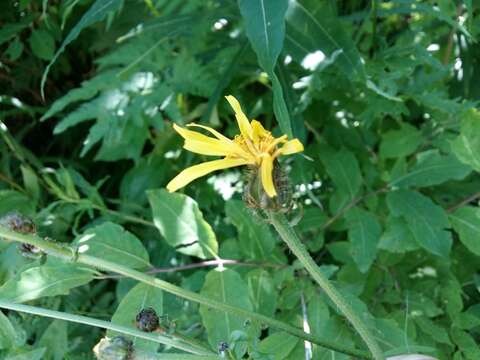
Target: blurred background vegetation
point(382, 94)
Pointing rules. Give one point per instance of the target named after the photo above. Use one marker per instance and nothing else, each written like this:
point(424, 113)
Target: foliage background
point(383, 96)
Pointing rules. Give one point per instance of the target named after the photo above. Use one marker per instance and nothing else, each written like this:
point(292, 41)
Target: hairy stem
point(288, 235)
point(68, 253)
point(159, 338)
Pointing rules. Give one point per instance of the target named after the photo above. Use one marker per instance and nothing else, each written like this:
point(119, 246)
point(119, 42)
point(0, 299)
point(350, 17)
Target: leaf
point(228, 287)
point(7, 333)
point(262, 292)
point(397, 237)
point(181, 223)
point(11, 200)
point(426, 220)
point(278, 345)
point(51, 279)
point(140, 297)
point(467, 145)
point(343, 169)
point(111, 242)
point(433, 169)
point(401, 142)
point(36, 354)
point(42, 44)
point(256, 239)
point(55, 340)
point(265, 27)
point(364, 232)
point(431, 328)
point(312, 27)
point(466, 222)
point(95, 13)
point(466, 343)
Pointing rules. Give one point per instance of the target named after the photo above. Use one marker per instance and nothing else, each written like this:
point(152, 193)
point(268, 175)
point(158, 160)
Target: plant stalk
point(288, 235)
point(68, 253)
point(159, 338)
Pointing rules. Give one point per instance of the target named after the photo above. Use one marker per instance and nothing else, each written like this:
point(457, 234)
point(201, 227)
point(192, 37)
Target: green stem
point(162, 339)
point(68, 253)
point(288, 235)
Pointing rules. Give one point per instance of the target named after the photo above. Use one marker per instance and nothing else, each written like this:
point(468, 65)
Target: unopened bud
point(147, 320)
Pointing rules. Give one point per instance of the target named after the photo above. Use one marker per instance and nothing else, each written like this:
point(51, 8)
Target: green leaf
point(51, 279)
point(14, 50)
point(343, 169)
point(397, 237)
point(228, 287)
point(7, 333)
point(265, 27)
point(466, 222)
point(11, 200)
point(262, 292)
point(426, 220)
point(433, 169)
point(55, 340)
point(111, 242)
point(466, 343)
point(95, 13)
point(140, 297)
point(181, 223)
point(400, 143)
point(255, 238)
point(431, 328)
point(364, 232)
point(36, 354)
point(312, 26)
point(467, 145)
point(278, 345)
point(42, 44)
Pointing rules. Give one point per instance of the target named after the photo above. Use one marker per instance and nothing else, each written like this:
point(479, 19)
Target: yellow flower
point(254, 146)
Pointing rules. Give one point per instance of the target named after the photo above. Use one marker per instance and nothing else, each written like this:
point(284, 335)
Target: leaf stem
point(288, 235)
point(159, 338)
point(68, 253)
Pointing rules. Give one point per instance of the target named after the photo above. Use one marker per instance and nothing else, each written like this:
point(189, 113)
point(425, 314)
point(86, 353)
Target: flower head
point(254, 147)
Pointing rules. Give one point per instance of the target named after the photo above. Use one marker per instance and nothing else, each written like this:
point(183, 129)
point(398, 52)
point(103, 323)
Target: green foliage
point(384, 97)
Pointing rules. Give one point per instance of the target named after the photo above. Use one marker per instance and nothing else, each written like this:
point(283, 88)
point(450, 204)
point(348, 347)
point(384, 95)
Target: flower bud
point(147, 320)
point(117, 348)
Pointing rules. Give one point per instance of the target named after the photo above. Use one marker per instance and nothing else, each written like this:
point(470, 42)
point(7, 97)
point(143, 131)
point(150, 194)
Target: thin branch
point(206, 263)
point(465, 201)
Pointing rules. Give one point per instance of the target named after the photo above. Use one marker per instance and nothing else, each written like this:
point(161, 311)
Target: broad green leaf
point(429, 327)
point(278, 345)
point(11, 200)
point(51, 279)
point(466, 222)
point(313, 28)
point(265, 27)
point(364, 232)
point(7, 332)
point(466, 343)
point(95, 13)
point(42, 44)
point(426, 220)
point(140, 297)
point(22, 354)
point(55, 340)
point(401, 142)
point(467, 145)
point(181, 223)
point(9, 30)
point(397, 237)
point(14, 50)
point(262, 292)
point(343, 169)
point(228, 287)
point(433, 169)
point(111, 242)
point(256, 238)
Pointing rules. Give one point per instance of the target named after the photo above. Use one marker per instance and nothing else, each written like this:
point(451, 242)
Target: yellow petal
point(266, 171)
point(258, 130)
point(191, 135)
point(291, 147)
point(233, 147)
point(196, 171)
point(242, 120)
point(208, 148)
